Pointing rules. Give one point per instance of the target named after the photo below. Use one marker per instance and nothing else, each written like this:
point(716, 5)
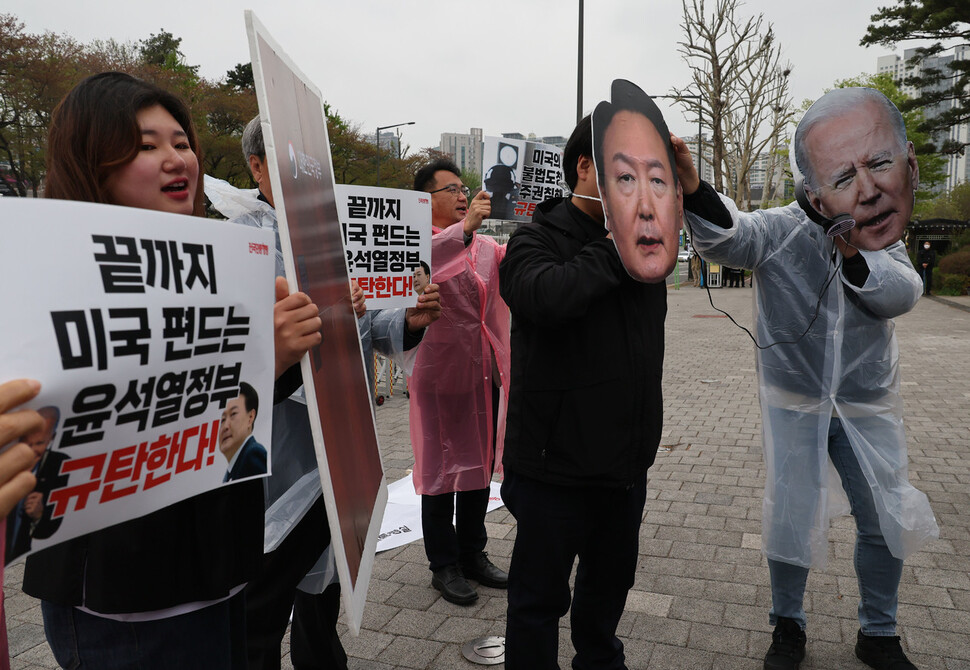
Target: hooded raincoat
point(294, 485)
point(846, 365)
point(451, 387)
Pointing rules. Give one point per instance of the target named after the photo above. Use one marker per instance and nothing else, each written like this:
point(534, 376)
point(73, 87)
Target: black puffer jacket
point(585, 403)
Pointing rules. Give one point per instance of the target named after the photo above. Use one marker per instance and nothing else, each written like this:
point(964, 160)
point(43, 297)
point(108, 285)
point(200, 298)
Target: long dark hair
point(94, 131)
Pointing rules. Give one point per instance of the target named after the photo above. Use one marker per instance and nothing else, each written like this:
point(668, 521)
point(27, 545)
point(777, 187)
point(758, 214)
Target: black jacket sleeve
point(856, 270)
point(538, 285)
point(706, 203)
point(411, 340)
point(287, 383)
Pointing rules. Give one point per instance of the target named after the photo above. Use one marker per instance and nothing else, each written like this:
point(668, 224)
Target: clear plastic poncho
point(294, 485)
point(847, 365)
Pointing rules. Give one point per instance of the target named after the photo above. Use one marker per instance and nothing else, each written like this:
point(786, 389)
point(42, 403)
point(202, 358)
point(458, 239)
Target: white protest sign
point(140, 326)
point(387, 234)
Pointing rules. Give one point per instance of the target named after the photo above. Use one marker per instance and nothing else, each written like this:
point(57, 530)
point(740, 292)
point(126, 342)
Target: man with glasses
point(828, 362)
point(458, 388)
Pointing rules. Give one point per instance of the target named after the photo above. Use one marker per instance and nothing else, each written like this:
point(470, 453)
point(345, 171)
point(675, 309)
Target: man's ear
point(256, 167)
point(584, 166)
point(913, 164)
point(815, 201)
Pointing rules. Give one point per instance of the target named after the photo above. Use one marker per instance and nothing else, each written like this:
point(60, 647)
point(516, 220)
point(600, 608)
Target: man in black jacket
point(584, 421)
point(925, 260)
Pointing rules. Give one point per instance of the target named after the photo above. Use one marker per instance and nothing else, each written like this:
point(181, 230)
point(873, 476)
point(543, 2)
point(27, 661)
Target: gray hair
point(838, 102)
point(252, 140)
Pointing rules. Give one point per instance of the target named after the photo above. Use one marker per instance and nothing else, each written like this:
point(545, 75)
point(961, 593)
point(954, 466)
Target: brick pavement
point(701, 594)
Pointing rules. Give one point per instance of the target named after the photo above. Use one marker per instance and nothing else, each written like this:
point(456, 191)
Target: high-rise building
point(895, 67)
point(390, 141)
point(464, 149)
point(958, 166)
point(768, 172)
point(555, 140)
point(706, 169)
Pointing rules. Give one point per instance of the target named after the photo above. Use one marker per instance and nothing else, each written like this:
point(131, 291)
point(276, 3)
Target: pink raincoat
point(451, 386)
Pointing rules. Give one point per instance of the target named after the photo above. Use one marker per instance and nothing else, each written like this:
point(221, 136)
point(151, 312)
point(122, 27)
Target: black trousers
point(314, 643)
point(554, 525)
point(448, 543)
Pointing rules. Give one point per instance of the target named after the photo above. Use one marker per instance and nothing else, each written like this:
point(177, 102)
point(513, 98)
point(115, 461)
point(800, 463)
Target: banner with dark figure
point(519, 174)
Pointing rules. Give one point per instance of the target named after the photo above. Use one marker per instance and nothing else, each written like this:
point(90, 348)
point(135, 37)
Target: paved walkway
point(701, 596)
point(958, 301)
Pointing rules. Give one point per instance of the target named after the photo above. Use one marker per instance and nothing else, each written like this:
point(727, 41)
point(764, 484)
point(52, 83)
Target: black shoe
point(787, 646)
point(485, 572)
point(882, 653)
point(453, 586)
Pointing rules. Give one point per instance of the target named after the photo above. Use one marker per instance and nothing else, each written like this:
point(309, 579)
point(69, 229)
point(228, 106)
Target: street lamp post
point(579, 69)
point(377, 139)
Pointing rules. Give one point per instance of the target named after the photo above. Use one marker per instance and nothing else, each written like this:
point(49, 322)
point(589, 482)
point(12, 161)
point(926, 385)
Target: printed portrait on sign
point(31, 517)
point(245, 456)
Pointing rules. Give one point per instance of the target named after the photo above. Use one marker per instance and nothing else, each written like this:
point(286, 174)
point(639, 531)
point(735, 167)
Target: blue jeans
point(212, 638)
point(877, 570)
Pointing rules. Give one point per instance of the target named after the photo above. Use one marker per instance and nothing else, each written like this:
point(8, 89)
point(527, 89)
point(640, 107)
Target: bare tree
point(737, 71)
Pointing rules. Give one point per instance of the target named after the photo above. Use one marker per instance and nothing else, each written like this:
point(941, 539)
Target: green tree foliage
point(954, 204)
point(225, 111)
point(956, 263)
point(940, 21)
point(961, 241)
point(36, 71)
point(355, 158)
point(472, 179)
point(932, 166)
point(162, 50)
point(241, 76)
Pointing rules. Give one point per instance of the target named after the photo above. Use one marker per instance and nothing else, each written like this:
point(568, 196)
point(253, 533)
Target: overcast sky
point(503, 66)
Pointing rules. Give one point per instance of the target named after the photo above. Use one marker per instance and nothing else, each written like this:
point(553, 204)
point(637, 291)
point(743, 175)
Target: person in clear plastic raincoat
point(459, 387)
point(298, 572)
point(829, 384)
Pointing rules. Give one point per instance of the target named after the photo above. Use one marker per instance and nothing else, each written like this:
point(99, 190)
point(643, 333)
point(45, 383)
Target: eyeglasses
point(877, 166)
point(453, 190)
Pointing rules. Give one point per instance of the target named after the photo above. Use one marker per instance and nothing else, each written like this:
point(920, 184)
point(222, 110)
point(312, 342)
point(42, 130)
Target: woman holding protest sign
point(163, 590)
